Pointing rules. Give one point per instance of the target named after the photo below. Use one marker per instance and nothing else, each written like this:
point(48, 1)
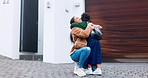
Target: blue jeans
point(80, 55)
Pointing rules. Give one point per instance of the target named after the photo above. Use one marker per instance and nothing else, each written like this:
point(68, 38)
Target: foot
point(97, 71)
point(88, 71)
point(80, 72)
point(75, 67)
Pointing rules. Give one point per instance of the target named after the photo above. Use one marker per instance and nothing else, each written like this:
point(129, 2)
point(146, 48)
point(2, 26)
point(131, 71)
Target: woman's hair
point(71, 38)
point(72, 20)
point(85, 17)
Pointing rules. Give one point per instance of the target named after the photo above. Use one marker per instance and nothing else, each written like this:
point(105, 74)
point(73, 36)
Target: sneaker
point(97, 71)
point(88, 71)
point(75, 67)
point(80, 72)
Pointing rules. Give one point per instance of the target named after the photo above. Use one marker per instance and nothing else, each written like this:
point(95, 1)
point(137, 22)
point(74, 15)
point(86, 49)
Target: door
point(29, 26)
point(125, 28)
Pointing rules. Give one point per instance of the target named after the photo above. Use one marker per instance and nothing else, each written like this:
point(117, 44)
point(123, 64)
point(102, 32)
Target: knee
point(87, 50)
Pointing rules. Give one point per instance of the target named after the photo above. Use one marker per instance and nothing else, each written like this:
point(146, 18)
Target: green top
point(82, 25)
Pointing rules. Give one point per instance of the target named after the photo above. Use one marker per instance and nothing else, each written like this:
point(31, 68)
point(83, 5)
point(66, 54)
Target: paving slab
point(37, 69)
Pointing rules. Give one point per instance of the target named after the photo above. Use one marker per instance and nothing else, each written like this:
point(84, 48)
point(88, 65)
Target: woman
point(79, 51)
point(94, 60)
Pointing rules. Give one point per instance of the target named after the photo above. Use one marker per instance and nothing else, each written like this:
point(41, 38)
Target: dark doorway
point(29, 26)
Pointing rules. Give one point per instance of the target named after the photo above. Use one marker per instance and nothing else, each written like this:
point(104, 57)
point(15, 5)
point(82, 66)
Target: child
point(95, 57)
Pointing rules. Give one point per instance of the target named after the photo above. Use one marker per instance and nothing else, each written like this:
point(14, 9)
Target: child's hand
point(100, 27)
point(97, 26)
point(91, 24)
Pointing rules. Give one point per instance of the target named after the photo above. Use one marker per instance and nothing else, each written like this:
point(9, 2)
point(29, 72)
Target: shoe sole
point(90, 73)
point(97, 74)
point(80, 75)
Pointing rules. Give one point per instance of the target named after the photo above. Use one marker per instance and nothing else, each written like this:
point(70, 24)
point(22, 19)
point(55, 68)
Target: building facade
point(41, 27)
point(53, 28)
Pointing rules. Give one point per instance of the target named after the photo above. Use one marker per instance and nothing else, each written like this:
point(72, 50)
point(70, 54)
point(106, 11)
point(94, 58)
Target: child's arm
point(97, 26)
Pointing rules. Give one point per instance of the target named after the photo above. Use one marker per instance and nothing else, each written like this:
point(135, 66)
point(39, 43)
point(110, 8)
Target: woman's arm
point(82, 33)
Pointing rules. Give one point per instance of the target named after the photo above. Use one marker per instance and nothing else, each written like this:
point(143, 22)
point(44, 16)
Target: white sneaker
point(75, 67)
point(89, 71)
point(97, 71)
point(80, 72)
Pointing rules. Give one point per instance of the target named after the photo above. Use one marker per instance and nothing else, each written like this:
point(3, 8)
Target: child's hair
point(85, 17)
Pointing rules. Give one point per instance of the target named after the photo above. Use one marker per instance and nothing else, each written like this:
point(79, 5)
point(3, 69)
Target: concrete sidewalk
point(37, 69)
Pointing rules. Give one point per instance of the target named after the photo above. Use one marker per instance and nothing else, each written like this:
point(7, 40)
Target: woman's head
point(75, 19)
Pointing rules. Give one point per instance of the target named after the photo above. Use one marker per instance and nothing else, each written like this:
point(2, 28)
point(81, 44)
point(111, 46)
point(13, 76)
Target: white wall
point(77, 11)
point(63, 13)
point(56, 43)
point(49, 32)
point(6, 24)
point(16, 29)
point(53, 30)
point(9, 29)
point(62, 39)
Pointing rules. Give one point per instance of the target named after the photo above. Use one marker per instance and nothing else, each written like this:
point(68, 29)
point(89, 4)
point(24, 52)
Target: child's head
point(85, 17)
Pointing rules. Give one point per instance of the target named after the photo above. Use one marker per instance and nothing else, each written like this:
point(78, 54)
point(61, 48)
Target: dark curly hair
point(85, 17)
